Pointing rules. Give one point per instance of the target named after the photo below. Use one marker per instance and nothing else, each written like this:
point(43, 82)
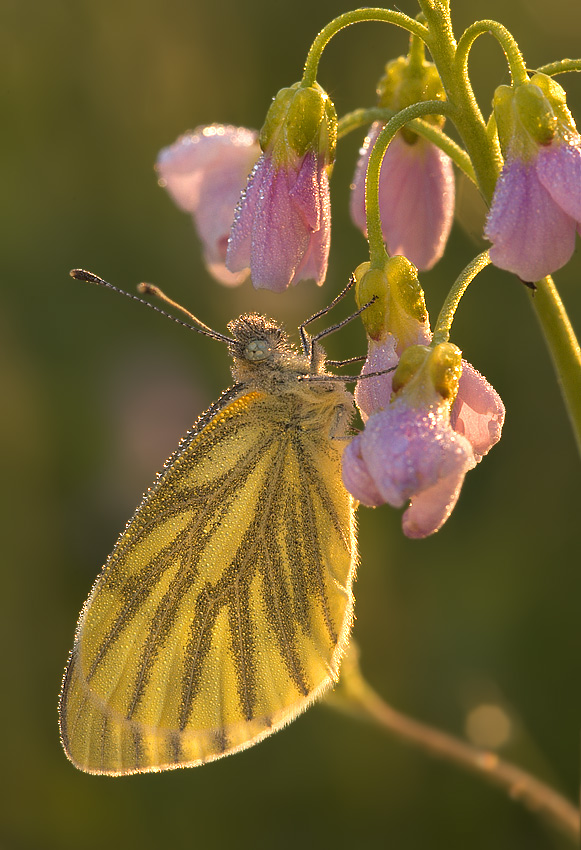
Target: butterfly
point(226, 605)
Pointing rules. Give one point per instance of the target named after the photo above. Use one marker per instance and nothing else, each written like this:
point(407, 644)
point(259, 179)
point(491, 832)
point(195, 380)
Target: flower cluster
point(261, 204)
point(428, 421)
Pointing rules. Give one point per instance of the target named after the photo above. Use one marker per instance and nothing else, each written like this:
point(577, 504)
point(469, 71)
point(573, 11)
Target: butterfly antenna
point(150, 289)
point(346, 379)
point(305, 339)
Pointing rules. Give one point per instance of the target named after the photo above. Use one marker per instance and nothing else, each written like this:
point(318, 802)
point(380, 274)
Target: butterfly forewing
point(225, 607)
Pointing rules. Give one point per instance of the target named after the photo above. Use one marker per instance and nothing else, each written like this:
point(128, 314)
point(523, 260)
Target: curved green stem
point(560, 67)
point(364, 117)
point(563, 347)
point(464, 111)
point(518, 69)
point(377, 253)
point(355, 17)
point(446, 317)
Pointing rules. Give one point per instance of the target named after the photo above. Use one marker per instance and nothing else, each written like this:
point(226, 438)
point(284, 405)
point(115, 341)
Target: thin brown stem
point(355, 693)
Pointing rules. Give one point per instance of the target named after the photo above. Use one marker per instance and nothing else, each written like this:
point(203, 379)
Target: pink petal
point(356, 477)
point(559, 170)
point(430, 509)
point(531, 234)
point(407, 450)
point(374, 394)
point(273, 228)
point(478, 412)
point(240, 239)
point(313, 265)
point(204, 172)
point(279, 235)
point(416, 198)
point(306, 191)
point(357, 198)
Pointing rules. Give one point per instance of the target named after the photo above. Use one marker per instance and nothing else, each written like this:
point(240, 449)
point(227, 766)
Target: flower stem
point(444, 323)
point(518, 68)
point(563, 348)
point(377, 252)
point(345, 20)
point(464, 110)
point(354, 692)
point(364, 117)
point(560, 67)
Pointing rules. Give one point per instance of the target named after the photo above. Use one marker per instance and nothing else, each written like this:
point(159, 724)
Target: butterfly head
point(261, 350)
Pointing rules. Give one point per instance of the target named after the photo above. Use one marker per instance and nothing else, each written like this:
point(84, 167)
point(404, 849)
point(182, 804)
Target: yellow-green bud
point(372, 283)
point(557, 97)
point(411, 361)
point(302, 118)
point(406, 288)
point(445, 369)
point(528, 116)
point(399, 300)
point(406, 82)
point(535, 113)
point(429, 375)
point(276, 116)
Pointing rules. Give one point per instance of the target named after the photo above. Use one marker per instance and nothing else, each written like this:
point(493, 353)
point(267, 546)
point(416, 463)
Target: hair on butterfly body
point(264, 360)
point(226, 605)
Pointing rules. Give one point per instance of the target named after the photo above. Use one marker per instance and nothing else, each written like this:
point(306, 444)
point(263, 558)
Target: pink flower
point(417, 449)
point(536, 210)
point(416, 197)
point(205, 172)
point(536, 206)
point(282, 228)
point(395, 318)
point(408, 453)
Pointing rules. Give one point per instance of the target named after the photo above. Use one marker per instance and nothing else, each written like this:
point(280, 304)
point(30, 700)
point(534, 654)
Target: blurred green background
point(97, 392)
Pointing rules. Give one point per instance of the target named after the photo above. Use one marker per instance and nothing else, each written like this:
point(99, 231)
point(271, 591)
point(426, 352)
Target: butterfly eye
point(257, 349)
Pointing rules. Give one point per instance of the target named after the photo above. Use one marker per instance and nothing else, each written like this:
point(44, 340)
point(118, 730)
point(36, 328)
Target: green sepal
point(300, 119)
point(399, 304)
point(407, 81)
point(429, 375)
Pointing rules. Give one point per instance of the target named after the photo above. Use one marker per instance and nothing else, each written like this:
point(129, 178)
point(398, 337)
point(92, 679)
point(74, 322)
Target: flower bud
point(399, 307)
point(300, 119)
point(406, 82)
point(416, 182)
point(282, 225)
point(429, 375)
point(525, 119)
point(536, 207)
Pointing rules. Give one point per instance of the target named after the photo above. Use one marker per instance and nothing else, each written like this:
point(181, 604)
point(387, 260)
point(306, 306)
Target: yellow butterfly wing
point(227, 602)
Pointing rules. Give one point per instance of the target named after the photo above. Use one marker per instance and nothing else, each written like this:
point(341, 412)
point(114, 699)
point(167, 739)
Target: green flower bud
point(445, 369)
point(276, 116)
point(410, 363)
point(372, 283)
point(429, 376)
point(300, 119)
point(406, 289)
point(406, 82)
point(399, 304)
point(557, 97)
point(528, 115)
point(535, 113)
